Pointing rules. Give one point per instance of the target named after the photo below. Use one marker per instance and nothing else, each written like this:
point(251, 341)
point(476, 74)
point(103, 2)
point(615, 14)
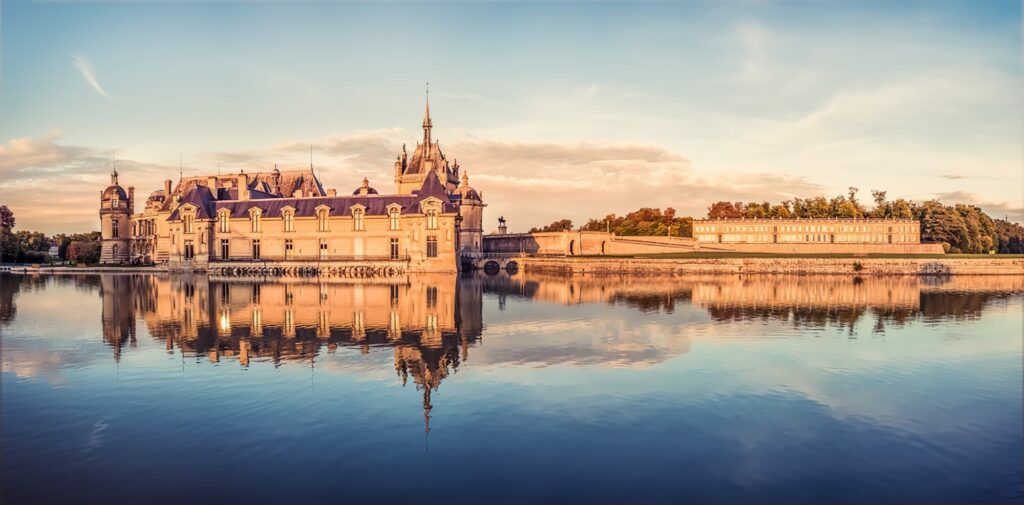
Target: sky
point(555, 109)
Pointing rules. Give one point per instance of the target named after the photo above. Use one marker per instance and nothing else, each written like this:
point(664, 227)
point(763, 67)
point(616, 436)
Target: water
point(521, 389)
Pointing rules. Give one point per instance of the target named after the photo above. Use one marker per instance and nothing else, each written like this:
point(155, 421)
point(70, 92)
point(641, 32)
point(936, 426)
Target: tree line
point(960, 228)
point(24, 246)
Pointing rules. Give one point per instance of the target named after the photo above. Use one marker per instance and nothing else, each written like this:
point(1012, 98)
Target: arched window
point(393, 218)
point(431, 219)
point(254, 219)
point(357, 219)
point(289, 221)
point(321, 219)
point(114, 250)
point(225, 221)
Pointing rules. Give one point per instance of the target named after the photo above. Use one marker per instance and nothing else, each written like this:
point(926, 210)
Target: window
point(190, 251)
point(288, 248)
point(188, 223)
point(114, 228)
point(289, 221)
point(255, 249)
point(393, 291)
point(225, 250)
point(255, 221)
point(357, 220)
point(394, 248)
point(393, 217)
point(115, 201)
point(431, 297)
point(225, 223)
point(431, 246)
point(114, 250)
point(323, 249)
point(321, 218)
point(431, 219)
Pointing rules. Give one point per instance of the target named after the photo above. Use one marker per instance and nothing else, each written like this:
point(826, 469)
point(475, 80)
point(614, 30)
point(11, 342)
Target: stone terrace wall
point(827, 266)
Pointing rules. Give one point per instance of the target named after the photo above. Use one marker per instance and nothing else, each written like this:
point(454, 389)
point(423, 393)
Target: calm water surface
point(511, 389)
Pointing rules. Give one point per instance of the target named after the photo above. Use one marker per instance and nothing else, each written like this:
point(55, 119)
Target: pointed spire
point(427, 123)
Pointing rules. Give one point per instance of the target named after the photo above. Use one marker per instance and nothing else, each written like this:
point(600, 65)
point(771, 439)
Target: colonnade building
point(287, 217)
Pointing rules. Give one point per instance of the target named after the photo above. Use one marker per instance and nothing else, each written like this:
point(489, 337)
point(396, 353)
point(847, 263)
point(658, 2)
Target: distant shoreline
point(695, 263)
point(781, 264)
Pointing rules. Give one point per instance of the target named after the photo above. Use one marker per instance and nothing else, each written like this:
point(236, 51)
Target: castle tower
point(471, 209)
point(411, 171)
point(116, 207)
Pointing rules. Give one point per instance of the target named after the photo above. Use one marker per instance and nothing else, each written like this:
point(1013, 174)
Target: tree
point(725, 210)
point(9, 248)
point(560, 225)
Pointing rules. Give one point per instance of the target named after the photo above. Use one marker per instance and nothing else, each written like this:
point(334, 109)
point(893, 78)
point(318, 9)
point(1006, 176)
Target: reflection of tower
point(118, 316)
point(116, 207)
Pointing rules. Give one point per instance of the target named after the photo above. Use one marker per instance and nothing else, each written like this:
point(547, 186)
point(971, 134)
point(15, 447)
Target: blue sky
point(556, 109)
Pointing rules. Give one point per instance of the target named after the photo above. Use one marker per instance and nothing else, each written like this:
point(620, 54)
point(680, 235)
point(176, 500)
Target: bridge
point(493, 262)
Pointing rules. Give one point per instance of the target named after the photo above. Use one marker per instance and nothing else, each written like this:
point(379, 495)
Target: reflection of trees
point(650, 303)
point(9, 287)
point(939, 305)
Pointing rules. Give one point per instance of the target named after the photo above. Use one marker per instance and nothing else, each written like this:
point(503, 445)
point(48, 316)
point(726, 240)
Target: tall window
point(255, 220)
point(188, 223)
point(431, 246)
point(289, 221)
point(190, 251)
point(115, 229)
point(394, 248)
point(431, 297)
point(225, 223)
point(256, 249)
point(114, 250)
point(115, 201)
point(357, 220)
point(321, 219)
point(431, 219)
point(288, 246)
point(393, 218)
point(225, 249)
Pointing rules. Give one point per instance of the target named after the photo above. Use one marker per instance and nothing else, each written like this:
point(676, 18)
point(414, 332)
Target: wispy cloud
point(953, 177)
point(998, 210)
point(84, 67)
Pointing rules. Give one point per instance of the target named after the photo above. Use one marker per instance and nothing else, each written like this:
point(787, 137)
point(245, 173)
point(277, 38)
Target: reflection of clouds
point(42, 363)
point(582, 342)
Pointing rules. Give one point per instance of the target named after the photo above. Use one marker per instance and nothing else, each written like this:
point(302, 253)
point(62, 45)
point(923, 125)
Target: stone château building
point(287, 217)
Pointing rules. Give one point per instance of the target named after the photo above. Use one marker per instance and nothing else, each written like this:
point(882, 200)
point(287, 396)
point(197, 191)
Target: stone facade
point(287, 216)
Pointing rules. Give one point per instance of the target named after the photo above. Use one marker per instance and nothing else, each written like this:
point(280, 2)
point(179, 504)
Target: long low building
point(898, 236)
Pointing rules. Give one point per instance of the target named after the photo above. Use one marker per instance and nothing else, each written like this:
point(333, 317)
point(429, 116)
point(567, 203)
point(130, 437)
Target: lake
point(525, 388)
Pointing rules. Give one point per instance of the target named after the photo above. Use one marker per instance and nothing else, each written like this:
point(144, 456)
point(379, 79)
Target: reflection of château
point(425, 321)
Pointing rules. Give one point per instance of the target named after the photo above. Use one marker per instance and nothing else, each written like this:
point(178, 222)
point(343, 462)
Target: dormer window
point(289, 220)
point(114, 201)
point(393, 218)
point(321, 219)
point(187, 221)
point(431, 219)
point(225, 223)
point(254, 221)
point(357, 219)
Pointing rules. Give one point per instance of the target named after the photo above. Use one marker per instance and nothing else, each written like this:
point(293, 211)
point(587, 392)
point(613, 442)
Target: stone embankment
point(816, 266)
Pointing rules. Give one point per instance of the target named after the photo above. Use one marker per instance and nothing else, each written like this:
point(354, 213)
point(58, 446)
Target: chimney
point(211, 182)
point(131, 199)
point(332, 192)
point(167, 189)
point(243, 186)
